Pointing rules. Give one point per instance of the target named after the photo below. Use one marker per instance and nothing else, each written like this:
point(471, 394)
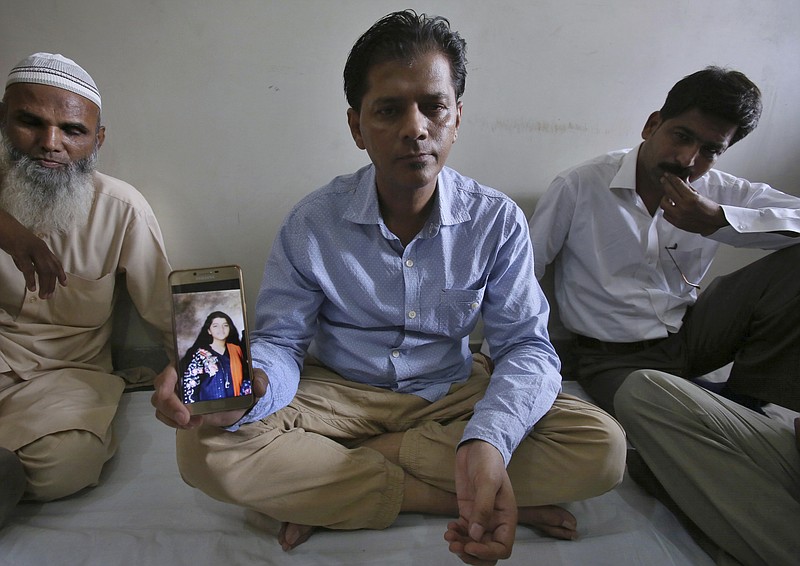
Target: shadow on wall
point(137, 350)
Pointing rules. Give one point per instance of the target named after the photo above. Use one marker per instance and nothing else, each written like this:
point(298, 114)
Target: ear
point(101, 136)
point(459, 110)
point(354, 122)
point(652, 124)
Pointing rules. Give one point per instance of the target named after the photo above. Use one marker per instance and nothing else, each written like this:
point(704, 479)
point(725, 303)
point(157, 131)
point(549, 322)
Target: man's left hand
point(688, 210)
point(485, 530)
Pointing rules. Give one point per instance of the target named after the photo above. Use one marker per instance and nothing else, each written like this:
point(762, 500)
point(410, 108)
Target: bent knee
point(194, 462)
point(584, 451)
point(63, 463)
point(608, 467)
point(598, 453)
point(206, 461)
point(638, 391)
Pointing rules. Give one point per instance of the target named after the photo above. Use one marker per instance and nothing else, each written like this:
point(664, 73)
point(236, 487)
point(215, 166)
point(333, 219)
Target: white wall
point(225, 114)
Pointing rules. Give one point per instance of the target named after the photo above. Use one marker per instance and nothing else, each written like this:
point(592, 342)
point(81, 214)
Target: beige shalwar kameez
point(55, 357)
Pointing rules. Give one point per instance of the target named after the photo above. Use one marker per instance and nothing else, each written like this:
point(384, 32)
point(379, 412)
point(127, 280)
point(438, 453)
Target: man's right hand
point(485, 530)
point(688, 210)
point(172, 412)
point(31, 256)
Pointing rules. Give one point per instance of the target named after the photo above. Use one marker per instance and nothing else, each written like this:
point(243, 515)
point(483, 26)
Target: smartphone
point(212, 347)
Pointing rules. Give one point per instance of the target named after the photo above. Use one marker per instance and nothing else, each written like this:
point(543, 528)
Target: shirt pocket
point(85, 303)
point(687, 262)
point(458, 311)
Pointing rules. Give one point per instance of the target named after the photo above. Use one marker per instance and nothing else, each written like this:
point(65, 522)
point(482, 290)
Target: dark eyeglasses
point(678, 267)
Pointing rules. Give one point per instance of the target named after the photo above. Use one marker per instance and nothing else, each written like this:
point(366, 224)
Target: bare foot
point(551, 520)
point(293, 535)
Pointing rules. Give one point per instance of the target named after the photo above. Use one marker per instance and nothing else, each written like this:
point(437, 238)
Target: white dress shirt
point(614, 279)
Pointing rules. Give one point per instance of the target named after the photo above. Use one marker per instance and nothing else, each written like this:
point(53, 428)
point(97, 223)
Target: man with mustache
point(381, 276)
point(69, 235)
point(631, 234)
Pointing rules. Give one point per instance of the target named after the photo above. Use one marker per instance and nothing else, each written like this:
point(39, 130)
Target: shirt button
point(473, 306)
point(409, 263)
point(412, 314)
point(395, 354)
point(32, 299)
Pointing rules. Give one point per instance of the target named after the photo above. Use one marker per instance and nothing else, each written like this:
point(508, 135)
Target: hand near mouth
point(687, 209)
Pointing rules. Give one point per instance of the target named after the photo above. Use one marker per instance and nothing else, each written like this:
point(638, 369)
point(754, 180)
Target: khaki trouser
point(60, 427)
point(302, 465)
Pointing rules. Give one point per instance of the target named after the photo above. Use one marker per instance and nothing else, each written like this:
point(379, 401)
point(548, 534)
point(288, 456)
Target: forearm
point(767, 228)
point(283, 372)
point(521, 391)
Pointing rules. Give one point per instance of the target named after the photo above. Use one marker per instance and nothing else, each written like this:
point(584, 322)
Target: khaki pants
point(60, 427)
point(302, 464)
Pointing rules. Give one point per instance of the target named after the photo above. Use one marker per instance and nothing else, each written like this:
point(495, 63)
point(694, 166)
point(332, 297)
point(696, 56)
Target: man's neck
point(650, 196)
point(405, 215)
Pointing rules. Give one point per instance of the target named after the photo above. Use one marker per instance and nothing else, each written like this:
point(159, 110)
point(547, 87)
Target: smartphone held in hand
point(212, 349)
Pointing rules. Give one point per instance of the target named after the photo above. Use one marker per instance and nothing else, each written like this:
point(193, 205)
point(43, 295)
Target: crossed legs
point(348, 456)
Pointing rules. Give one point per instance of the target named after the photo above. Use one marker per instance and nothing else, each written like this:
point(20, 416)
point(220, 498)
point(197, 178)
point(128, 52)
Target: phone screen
point(211, 342)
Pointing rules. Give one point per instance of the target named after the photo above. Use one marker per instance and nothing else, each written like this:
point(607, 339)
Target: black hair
point(403, 36)
point(723, 93)
point(204, 338)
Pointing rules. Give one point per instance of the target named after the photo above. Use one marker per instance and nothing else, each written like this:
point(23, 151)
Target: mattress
point(143, 514)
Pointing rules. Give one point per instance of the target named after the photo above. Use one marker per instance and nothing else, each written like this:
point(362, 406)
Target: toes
point(563, 533)
point(292, 535)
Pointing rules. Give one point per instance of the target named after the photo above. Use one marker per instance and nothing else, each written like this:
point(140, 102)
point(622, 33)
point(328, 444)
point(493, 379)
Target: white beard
point(44, 200)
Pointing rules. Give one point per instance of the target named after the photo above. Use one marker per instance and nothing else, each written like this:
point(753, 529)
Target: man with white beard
point(69, 235)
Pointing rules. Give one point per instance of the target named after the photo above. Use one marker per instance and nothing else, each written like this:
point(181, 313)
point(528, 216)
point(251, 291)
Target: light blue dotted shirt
point(339, 284)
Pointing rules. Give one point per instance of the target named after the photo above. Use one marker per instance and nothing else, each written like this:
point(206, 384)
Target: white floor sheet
point(143, 514)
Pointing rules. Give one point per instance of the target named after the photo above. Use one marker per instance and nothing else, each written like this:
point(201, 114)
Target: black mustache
point(675, 169)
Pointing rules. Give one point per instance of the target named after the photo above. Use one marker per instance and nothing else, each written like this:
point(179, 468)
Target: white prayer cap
point(55, 70)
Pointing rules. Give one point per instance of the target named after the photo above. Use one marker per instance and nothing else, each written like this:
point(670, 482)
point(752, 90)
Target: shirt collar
point(448, 209)
point(626, 175)
point(363, 208)
point(452, 207)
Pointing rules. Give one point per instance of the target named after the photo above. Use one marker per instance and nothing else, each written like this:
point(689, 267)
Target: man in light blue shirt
point(374, 403)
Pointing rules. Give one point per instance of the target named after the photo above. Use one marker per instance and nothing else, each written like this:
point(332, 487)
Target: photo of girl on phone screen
point(213, 365)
